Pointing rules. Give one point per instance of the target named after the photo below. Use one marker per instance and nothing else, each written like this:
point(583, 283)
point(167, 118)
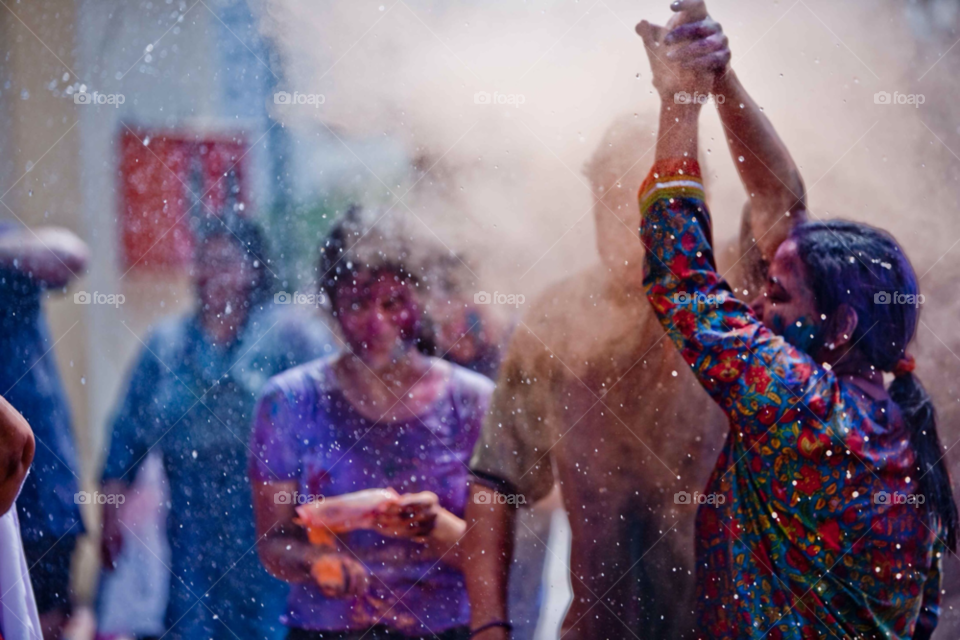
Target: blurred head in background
point(616, 171)
point(460, 324)
point(230, 270)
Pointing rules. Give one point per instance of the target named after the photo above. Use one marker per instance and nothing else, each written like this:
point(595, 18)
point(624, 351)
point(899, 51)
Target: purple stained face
point(787, 305)
point(379, 314)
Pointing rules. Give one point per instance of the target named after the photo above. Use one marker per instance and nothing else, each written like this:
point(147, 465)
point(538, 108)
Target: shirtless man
point(592, 396)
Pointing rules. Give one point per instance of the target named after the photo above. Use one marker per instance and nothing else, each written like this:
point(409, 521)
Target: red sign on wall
point(168, 180)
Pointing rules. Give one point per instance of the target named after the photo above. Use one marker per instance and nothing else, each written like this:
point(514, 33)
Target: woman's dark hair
point(864, 267)
point(342, 260)
point(247, 235)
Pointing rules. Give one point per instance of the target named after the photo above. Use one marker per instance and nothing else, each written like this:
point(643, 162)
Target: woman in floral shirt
point(836, 505)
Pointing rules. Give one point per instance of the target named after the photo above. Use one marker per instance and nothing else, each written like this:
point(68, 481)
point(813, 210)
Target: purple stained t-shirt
point(306, 431)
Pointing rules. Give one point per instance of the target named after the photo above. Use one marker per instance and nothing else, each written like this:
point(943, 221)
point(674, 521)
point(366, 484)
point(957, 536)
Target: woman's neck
point(399, 372)
point(405, 387)
point(854, 367)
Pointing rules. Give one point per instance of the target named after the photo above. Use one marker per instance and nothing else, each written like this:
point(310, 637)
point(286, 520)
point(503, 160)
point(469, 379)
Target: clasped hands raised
point(688, 55)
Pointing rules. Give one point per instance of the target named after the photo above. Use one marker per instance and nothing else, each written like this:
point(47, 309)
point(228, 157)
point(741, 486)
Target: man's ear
point(842, 326)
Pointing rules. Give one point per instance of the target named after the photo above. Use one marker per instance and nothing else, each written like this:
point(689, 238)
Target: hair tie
point(904, 366)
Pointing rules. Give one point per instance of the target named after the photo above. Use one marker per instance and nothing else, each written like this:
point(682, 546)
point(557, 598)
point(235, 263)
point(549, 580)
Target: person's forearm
point(17, 446)
point(677, 137)
point(289, 558)
point(443, 542)
point(487, 552)
point(769, 175)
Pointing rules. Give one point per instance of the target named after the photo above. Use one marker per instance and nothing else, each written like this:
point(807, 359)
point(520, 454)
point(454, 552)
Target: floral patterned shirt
point(810, 526)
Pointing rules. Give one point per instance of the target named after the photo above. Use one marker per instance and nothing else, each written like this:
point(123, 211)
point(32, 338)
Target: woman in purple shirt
point(381, 415)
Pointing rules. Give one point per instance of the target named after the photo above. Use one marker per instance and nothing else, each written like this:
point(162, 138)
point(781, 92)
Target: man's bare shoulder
point(582, 319)
point(548, 321)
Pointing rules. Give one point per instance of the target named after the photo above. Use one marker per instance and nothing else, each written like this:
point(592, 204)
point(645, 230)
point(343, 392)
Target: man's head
point(229, 269)
point(615, 172)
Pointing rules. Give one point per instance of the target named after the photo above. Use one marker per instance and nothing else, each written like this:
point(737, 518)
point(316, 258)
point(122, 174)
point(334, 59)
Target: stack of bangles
point(491, 625)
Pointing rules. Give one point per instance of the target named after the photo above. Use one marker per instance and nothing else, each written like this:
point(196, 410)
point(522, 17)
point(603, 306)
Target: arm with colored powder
point(774, 185)
point(737, 360)
point(284, 549)
point(488, 547)
point(287, 554)
point(777, 195)
point(511, 457)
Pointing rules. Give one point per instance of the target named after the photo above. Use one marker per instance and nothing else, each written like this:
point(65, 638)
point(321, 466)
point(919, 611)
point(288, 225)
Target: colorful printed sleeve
point(756, 377)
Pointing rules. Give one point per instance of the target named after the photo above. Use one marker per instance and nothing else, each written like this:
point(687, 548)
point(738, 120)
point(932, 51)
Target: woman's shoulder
point(463, 378)
point(303, 382)
point(468, 387)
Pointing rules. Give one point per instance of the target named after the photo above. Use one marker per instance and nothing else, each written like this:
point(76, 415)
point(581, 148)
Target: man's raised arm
point(777, 196)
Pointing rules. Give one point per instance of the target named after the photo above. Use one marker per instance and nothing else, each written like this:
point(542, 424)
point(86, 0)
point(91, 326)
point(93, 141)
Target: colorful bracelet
point(491, 625)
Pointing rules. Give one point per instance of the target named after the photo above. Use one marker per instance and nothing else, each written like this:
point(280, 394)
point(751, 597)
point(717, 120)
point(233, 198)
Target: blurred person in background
point(592, 395)
point(33, 262)
point(190, 396)
point(381, 415)
point(837, 506)
point(18, 608)
point(460, 323)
